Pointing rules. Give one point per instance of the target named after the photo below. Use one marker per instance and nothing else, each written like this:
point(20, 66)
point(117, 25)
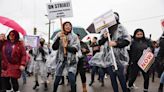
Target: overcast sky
point(146, 14)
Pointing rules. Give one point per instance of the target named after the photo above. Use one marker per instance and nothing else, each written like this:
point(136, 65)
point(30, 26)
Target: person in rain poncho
point(96, 68)
point(119, 40)
point(40, 67)
point(67, 45)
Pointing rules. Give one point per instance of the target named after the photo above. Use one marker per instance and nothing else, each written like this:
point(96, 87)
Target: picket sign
point(146, 60)
point(106, 20)
point(31, 41)
point(60, 9)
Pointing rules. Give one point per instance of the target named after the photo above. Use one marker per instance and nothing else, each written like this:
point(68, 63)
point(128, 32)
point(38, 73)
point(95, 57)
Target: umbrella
point(91, 28)
point(12, 24)
point(76, 30)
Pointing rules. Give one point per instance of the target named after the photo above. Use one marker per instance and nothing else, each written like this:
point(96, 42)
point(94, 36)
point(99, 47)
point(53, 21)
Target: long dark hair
point(65, 24)
point(139, 30)
point(117, 17)
point(17, 37)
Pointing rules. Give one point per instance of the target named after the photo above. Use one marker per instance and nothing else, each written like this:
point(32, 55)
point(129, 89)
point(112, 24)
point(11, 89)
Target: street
point(96, 87)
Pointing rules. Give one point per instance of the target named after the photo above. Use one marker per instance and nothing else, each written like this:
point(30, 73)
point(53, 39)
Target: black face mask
point(41, 43)
point(113, 29)
point(139, 39)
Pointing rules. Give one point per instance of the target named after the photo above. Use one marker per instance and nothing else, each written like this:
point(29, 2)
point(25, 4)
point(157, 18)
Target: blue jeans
point(24, 75)
point(162, 78)
point(72, 81)
point(113, 76)
point(100, 72)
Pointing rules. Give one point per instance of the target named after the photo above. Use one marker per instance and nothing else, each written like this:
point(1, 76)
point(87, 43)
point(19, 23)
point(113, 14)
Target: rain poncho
point(39, 64)
point(104, 57)
point(51, 65)
point(71, 63)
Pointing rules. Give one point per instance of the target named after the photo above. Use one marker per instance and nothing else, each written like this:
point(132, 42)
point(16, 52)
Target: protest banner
point(31, 41)
point(104, 21)
point(146, 60)
point(59, 10)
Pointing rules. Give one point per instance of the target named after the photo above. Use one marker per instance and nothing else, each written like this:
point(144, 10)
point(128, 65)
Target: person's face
point(94, 40)
point(2, 36)
point(12, 36)
point(155, 44)
point(67, 27)
point(139, 34)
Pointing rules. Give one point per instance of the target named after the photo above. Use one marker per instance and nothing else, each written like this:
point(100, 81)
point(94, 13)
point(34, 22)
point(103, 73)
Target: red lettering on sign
point(143, 65)
point(146, 60)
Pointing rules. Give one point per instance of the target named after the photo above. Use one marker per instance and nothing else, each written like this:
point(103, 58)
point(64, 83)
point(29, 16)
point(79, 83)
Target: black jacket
point(121, 43)
point(95, 45)
point(70, 49)
point(160, 56)
point(84, 45)
point(136, 49)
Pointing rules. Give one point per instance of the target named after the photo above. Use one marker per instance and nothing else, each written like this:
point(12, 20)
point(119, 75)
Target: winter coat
point(18, 58)
point(136, 49)
point(0, 62)
point(160, 56)
point(72, 49)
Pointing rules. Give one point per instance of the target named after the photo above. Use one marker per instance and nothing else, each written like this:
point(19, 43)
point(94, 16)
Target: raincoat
point(39, 62)
point(71, 63)
point(104, 57)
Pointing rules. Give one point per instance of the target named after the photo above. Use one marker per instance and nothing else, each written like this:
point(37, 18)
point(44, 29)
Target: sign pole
point(62, 31)
point(113, 56)
point(111, 48)
point(61, 24)
point(49, 29)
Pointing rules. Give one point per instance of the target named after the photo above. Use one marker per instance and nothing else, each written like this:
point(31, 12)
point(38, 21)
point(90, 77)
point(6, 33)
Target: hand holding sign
point(146, 60)
point(112, 43)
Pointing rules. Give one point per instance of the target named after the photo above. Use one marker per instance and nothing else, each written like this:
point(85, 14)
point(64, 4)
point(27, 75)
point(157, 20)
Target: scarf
point(8, 51)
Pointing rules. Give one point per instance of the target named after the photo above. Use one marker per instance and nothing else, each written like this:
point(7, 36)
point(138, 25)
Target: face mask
point(41, 43)
point(138, 38)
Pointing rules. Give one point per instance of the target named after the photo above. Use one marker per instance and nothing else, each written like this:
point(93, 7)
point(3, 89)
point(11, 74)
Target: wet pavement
point(96, 87)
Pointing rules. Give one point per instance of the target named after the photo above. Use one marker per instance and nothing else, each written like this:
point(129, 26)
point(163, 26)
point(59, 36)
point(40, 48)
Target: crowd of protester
point(68, 56)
